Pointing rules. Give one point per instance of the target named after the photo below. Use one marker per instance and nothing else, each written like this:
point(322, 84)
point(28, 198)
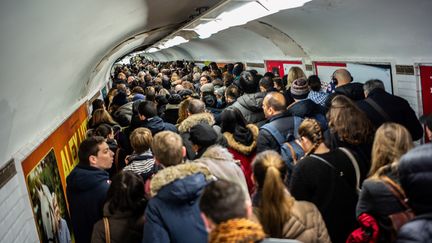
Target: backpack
point(320, 118)
point(290, 150)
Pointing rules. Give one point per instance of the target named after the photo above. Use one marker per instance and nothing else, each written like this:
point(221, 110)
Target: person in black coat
point(87, 186)
point(415, 172)
point(345, 86)
point(328, 179)
point(395, 108)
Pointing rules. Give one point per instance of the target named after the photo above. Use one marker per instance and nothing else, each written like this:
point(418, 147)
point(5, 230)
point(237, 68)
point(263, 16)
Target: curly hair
point(348, 121)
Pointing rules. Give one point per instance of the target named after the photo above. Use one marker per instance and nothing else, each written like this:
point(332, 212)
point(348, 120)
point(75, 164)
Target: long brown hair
point(311, 129)
point(183, 110)
point(275, 205)
point(391, 142)
point(102, 116)
point(349, 122)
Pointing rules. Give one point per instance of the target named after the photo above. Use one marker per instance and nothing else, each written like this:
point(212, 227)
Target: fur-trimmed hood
point(246, 150)
point(194, 119)
point(217, 152)
point(186, 180)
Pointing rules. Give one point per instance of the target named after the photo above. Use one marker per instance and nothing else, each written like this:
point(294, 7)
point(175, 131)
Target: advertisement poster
point(48, 201)
point(46, 169)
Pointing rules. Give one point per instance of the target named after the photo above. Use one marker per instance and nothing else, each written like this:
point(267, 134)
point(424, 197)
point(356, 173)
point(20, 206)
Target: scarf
point(237, 230)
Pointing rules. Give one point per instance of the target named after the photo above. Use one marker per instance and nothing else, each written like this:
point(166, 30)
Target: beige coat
point(221, 164)
point(305, 224)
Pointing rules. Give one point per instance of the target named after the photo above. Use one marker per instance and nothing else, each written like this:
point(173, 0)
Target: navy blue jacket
point(173, 215)
point(86, 191)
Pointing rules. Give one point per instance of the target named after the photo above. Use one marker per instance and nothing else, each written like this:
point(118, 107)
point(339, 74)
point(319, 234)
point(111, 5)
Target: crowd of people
point(178, 153)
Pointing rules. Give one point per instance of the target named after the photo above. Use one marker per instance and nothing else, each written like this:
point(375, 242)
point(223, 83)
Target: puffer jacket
point(305, 224)
point(173, 214)
point(418, 229)
point(123, 115)
point(250, 105)
point(222, 165)
point(415, 173)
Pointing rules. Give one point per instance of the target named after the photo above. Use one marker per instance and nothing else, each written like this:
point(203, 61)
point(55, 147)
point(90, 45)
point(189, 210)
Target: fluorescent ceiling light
point(151, 50)
point(245, 13)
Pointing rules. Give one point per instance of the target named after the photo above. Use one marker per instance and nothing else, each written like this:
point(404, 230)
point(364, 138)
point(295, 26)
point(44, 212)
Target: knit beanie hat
point(203, 135)
point(299, 89)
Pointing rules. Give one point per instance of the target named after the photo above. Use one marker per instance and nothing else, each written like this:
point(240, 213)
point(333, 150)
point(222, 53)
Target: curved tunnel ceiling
point(330, 29)
point(54, 54)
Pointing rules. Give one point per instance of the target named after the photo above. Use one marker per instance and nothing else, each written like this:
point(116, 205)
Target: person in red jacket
point(242, 139)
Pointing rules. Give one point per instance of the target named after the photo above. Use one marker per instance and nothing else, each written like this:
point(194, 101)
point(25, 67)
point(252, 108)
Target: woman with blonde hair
point(377, 199)
point(329, 179)
point(294, 73)
point(278, 212)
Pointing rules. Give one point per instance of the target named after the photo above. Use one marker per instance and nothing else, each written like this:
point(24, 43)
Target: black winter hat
point(203, 135)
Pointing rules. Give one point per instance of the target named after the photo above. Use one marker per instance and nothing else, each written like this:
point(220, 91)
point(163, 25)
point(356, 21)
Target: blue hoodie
point(86, 191)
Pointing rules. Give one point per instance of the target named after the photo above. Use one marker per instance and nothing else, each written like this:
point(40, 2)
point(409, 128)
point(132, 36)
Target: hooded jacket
point(250, 105)
point(173, 214)
point(86, 191)
point(244, 153)
point(190, 122)
point(222, 165)
point(156, 124)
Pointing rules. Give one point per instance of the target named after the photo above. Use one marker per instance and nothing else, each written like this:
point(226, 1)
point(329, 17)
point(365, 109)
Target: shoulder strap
point(297, 121)
point(327, 163)
point(396, 190)
point(107, 230)
point(293, 153)
point(274, 132)
point(378, 108)
point(355, 165)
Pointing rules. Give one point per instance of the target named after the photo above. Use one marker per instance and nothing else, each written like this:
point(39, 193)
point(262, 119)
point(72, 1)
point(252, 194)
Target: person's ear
point(183, 151)
point(93, 160)
point(253, 180)
point(249, 209)
point(209, 225)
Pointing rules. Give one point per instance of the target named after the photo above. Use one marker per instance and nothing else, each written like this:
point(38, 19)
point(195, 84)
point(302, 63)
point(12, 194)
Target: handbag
point(107, 230)
point(400, 218)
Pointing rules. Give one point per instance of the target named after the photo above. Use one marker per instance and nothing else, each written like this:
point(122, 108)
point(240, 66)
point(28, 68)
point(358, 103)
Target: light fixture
point(245, 13)
point(207, 25)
